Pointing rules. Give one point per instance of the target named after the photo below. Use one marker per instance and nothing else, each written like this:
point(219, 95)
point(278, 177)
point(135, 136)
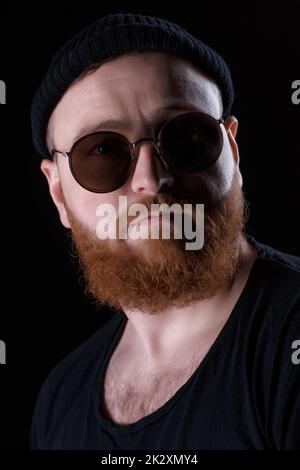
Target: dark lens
point(101, 162)
point(191, 142)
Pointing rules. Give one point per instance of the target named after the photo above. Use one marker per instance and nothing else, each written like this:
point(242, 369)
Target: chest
point(129, 396)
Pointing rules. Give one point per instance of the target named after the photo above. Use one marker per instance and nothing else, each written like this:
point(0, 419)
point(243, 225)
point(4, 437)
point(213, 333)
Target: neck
point(159, 336)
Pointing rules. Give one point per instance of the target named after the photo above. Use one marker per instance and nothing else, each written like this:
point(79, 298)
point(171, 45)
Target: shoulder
point(277, 269)
point(273, 333)
point(69, 380)
point(275, 294)
point(84, 355)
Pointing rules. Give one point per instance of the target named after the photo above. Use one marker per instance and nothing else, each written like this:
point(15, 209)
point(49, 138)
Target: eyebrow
point(117, 124)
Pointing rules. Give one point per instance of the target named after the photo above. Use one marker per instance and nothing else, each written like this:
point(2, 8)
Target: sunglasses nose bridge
point(155, 142)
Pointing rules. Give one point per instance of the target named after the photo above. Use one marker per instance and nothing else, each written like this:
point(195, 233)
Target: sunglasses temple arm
point(54, 151)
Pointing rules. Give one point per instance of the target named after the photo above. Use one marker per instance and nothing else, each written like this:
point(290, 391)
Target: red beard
point(157, 274)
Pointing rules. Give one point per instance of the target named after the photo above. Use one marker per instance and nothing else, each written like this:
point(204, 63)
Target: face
point(119, 97)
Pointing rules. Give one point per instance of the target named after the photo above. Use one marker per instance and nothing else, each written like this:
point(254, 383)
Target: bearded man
point(197, 354)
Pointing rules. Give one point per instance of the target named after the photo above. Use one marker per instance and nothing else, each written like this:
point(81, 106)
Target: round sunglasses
point(102, 161)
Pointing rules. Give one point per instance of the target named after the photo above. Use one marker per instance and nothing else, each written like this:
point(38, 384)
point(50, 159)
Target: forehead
point(132, 88)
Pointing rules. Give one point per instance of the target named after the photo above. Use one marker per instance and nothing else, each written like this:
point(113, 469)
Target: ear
point(231, 126)
point(50, 170)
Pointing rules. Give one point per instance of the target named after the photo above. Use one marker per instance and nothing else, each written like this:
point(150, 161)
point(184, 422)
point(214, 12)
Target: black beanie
point(112, 36)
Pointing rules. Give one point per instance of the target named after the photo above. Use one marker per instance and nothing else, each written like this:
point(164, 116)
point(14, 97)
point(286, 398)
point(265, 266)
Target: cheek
point(84, 204)
point(222, 173)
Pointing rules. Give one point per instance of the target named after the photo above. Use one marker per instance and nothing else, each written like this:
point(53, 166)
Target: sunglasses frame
point(133, 146)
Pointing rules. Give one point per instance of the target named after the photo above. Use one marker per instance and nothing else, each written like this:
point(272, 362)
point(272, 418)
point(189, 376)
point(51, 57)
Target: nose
point(149, 175)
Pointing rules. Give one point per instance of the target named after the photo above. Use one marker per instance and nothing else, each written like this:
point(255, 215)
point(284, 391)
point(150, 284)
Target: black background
point(44, 313)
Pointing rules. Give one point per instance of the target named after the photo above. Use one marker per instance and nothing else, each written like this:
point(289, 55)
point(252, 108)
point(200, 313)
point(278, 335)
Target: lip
point(145, 220)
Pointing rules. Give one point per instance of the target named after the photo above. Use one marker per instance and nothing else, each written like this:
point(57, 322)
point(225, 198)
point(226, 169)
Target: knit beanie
point(112, 36)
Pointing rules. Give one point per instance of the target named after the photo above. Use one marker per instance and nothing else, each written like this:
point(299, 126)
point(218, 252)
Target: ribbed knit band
point(112, 36)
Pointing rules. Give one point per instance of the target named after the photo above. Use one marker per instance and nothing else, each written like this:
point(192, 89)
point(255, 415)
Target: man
point(198, 353)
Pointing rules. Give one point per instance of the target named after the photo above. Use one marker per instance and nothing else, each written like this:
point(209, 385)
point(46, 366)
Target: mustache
point(161, 198)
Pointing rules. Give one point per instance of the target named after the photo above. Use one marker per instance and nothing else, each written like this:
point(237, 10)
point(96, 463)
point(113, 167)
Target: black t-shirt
point(245, 394)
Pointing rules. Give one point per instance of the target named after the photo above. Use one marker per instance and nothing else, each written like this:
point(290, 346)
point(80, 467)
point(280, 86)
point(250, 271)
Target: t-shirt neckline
point(117, 429)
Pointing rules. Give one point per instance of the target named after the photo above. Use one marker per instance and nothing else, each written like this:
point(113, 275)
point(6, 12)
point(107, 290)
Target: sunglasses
point(101, 162)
